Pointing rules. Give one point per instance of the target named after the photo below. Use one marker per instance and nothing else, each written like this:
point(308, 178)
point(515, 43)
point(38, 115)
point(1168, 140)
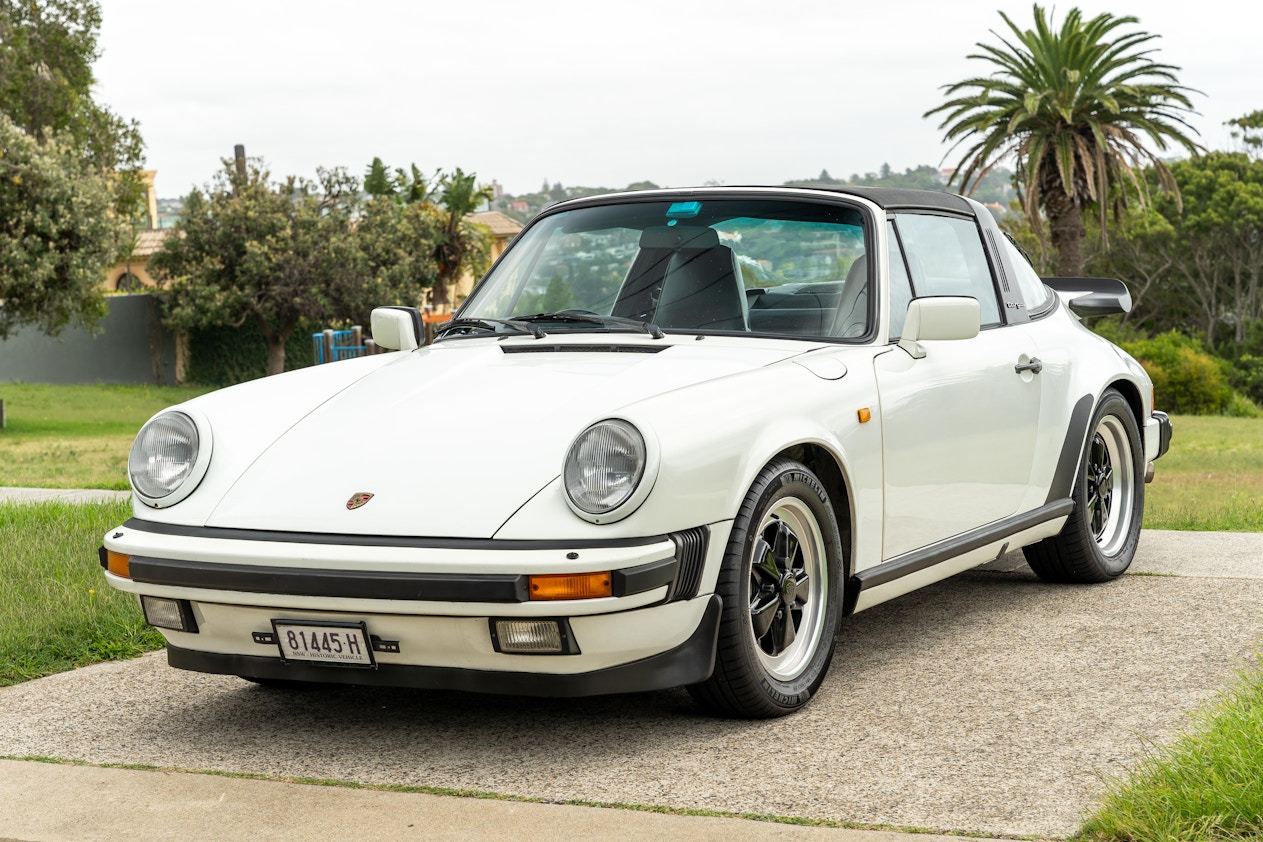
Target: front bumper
point(689, 663)
point(435, 600)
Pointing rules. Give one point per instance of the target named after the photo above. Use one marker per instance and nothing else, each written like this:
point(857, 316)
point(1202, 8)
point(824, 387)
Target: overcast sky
point(678, 92)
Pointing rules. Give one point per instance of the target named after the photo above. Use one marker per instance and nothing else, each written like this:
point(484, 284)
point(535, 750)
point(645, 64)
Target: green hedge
point(224, 356)
point(1188, 380)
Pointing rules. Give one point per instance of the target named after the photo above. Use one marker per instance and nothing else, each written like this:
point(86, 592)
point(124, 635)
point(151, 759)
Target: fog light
point(533, 637)
point(174, 614)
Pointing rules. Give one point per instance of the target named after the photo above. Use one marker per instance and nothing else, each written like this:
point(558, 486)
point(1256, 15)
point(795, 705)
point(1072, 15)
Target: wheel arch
point(832, 475)
point(1131, 394)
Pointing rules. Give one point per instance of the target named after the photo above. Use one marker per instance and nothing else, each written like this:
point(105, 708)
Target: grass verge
point(56, 611)
point(1207, 786)
point(1212, 477)
point(75, 436)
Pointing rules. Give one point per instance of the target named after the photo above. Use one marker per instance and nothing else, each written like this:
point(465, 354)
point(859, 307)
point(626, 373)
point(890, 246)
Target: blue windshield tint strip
point(684, 210)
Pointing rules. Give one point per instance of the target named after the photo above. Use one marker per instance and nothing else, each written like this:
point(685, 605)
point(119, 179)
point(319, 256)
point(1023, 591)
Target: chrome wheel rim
point(1110, 477)
point(788, 580)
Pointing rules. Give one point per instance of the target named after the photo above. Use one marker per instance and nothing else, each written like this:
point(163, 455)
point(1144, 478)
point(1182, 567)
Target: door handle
point(1034, 366)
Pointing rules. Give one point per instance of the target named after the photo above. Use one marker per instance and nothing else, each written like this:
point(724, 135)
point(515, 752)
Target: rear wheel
point(1100, 537)
point(781, 585)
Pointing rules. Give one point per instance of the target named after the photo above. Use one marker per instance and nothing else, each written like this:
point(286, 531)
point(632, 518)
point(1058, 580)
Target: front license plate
point(345, 644)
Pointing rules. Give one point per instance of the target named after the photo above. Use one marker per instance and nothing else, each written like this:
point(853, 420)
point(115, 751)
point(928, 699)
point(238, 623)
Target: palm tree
point(462, 242)
point(1074, 108)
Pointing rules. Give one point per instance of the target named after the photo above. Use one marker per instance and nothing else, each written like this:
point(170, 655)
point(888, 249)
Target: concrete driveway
point(989, 703)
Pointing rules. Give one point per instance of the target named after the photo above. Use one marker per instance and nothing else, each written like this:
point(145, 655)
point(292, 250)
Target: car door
point(959, 426)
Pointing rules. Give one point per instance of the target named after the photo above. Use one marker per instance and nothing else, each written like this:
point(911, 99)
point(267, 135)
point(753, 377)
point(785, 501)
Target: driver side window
point(945, 257)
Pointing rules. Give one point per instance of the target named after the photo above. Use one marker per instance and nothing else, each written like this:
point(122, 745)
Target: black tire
point(781, 575)
point(1099, 539)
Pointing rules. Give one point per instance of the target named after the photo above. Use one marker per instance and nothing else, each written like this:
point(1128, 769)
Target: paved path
point(68, 495)
point(142, 806)
point(990, 703)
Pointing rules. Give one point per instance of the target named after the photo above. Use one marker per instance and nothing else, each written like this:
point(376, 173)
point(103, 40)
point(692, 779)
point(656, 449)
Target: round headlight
point(604, 466)
point(164, 457)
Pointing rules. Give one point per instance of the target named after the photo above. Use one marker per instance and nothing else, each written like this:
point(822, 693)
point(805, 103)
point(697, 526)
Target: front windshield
point(710, 266)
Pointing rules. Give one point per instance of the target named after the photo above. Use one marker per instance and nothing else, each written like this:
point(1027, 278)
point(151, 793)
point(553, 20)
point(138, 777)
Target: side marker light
point(571, 586)
point(864, 415)
point(118, 564)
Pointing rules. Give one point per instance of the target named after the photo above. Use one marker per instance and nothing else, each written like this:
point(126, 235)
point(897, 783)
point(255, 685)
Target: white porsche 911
point(672, 438)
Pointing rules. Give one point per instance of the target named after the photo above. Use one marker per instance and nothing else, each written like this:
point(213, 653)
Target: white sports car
point(672, 438)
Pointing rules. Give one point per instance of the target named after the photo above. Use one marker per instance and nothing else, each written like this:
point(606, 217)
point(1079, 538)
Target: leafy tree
point(395, 239)
point(68, 167)
point(1247, 130)
point(278, 254)
point(1074, 107)
point(1197, 265)
point(47, 48)
point(1217, 247)
point(58, 233)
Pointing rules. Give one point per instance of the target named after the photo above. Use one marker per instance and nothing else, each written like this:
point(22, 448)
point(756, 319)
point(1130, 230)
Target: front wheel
point(781, 584)
point(1100, 537)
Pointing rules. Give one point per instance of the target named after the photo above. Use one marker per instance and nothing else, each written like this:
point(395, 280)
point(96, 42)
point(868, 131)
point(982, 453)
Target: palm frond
point(1076, 104)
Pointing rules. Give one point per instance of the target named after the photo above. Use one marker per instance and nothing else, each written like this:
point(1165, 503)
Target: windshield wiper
point(592, 318)
point(518, 325)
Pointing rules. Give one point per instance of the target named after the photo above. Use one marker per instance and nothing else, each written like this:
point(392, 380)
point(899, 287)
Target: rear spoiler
point(1092, 296)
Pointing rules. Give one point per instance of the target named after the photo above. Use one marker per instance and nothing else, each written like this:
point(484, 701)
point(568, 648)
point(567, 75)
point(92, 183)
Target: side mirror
point(397, 328)
point(939, 318)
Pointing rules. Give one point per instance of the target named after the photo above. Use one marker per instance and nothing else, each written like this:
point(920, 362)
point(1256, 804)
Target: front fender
point(715, 438)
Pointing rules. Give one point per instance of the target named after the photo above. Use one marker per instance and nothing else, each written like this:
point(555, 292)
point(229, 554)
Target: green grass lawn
point(56, 611)
point(1211, 479)
point(75, 436)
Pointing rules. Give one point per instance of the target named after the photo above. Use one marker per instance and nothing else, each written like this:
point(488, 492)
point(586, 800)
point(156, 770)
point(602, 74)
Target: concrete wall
point(130, 347)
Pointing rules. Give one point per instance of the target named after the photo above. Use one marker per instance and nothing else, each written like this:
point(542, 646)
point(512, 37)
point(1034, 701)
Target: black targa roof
point(887, 198)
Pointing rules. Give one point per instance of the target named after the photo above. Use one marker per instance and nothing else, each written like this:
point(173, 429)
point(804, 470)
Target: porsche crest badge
point(358, 499)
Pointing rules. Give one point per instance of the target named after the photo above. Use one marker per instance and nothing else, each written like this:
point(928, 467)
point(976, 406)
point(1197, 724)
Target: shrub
point(1239, 406)
point(1247, 376)
point(1186, 379)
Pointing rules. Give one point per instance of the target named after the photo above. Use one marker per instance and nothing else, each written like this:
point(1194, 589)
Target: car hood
point(451, 440)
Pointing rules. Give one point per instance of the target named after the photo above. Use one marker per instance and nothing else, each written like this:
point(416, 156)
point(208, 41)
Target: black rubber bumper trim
point(918, 560)
point(372, 584)
point(1164, 432)
point(689, 663)
point(344, 540)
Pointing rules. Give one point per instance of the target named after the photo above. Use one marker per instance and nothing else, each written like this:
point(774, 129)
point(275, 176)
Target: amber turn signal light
point(571, 586)
point(118, 564)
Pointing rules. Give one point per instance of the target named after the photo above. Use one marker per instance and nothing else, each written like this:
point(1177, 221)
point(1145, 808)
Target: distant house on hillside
point(132, 275)
point(503, 229)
